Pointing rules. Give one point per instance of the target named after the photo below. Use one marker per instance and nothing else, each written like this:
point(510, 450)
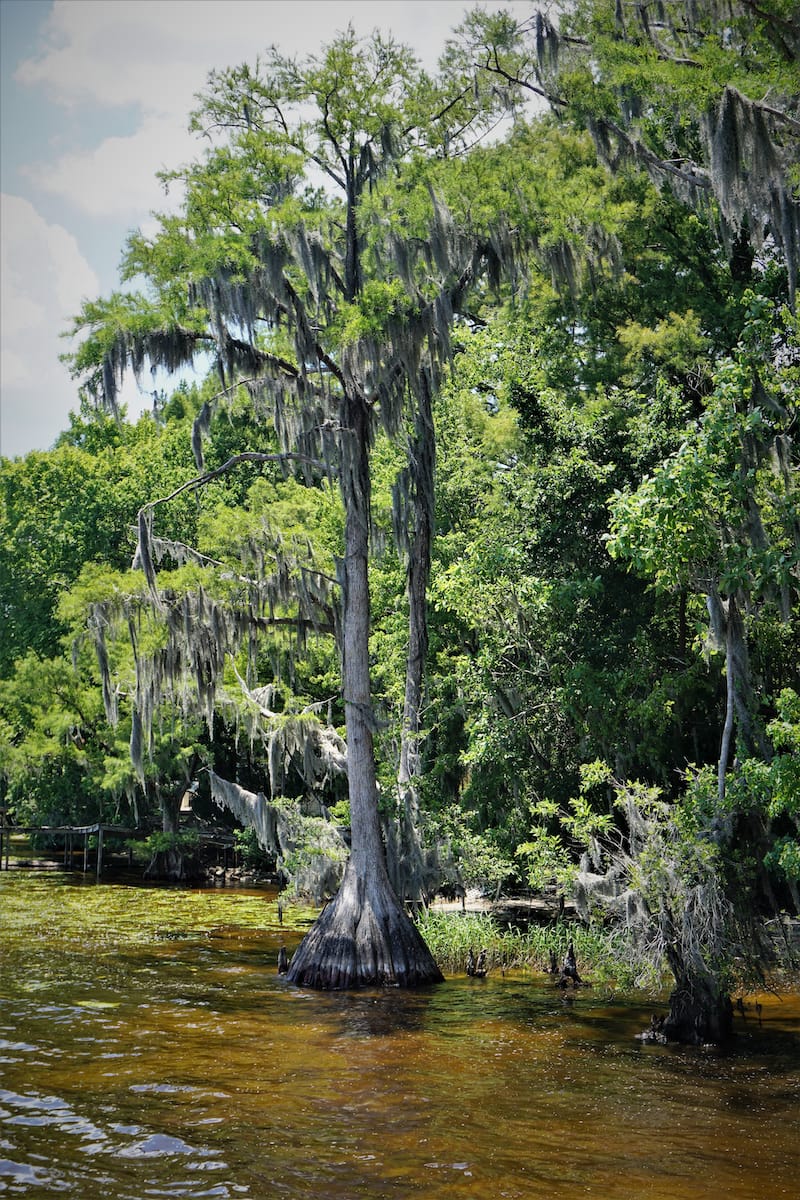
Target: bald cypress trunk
point(410, 870)
point(364, 937)
point(740, 705)
point(700, 1009)
point(170, 863)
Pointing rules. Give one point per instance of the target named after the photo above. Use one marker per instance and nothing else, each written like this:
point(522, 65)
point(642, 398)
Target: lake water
point(148, 1048)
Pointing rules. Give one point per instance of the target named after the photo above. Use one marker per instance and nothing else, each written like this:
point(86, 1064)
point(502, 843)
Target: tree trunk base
point(699, 1014)
point(172, 866)
point(364, 938)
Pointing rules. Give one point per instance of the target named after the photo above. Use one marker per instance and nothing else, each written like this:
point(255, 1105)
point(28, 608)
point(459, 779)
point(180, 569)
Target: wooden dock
point(222, 841)
point(70, 834)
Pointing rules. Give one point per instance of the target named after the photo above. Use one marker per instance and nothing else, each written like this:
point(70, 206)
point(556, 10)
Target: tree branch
point(640, 151)
point(245, 456)
point(277, 363)
point(504, 74)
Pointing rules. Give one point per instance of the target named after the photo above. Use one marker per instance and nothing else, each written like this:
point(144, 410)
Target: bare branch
point(496, 69)
point(245, 456)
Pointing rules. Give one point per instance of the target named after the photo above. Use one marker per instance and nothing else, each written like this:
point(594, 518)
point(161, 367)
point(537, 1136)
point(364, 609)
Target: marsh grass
point(601, 955)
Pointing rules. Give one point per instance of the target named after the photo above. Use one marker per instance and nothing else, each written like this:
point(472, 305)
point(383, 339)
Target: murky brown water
point(149, 1049)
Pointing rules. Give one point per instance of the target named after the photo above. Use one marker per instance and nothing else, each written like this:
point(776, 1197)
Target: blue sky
point(95, 100)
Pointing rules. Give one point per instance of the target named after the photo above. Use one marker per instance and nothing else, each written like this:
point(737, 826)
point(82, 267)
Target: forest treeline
point(572, 350)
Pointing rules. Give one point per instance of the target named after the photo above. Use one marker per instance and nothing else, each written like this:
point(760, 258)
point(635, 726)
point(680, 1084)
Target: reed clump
point(451, 936)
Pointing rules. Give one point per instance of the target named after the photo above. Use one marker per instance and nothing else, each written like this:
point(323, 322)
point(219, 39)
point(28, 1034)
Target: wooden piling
point(99, 851)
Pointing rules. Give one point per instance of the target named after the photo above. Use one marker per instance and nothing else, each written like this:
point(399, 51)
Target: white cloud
point(44, 278)
point(124, 53)
point(117, 178)
point(155, 53)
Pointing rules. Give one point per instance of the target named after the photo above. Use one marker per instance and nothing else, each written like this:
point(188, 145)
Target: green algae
point(105, 917)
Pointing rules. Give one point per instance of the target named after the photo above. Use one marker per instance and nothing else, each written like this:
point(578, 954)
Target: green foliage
point(340, 812)
point(556, 833)
point(680, 92)
point(717, 510)
point(784, 859)
point(677, 342)
point(672, 883)
point(779, 788)
point(481, 861)
point(379, 302)
point(451, 936)
point(73, 506)
point(56, 748)
point(785, 766)
point(250, 850)
point(185, 842)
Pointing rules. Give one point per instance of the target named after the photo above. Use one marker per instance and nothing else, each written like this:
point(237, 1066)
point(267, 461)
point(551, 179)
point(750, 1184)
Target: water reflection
point(134, 1064)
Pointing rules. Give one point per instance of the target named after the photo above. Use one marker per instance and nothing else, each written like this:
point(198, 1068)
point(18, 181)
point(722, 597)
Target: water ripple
point(118, 1142)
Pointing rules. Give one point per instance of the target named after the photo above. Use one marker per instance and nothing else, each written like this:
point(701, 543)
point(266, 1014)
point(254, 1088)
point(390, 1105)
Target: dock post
point(99, 851)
